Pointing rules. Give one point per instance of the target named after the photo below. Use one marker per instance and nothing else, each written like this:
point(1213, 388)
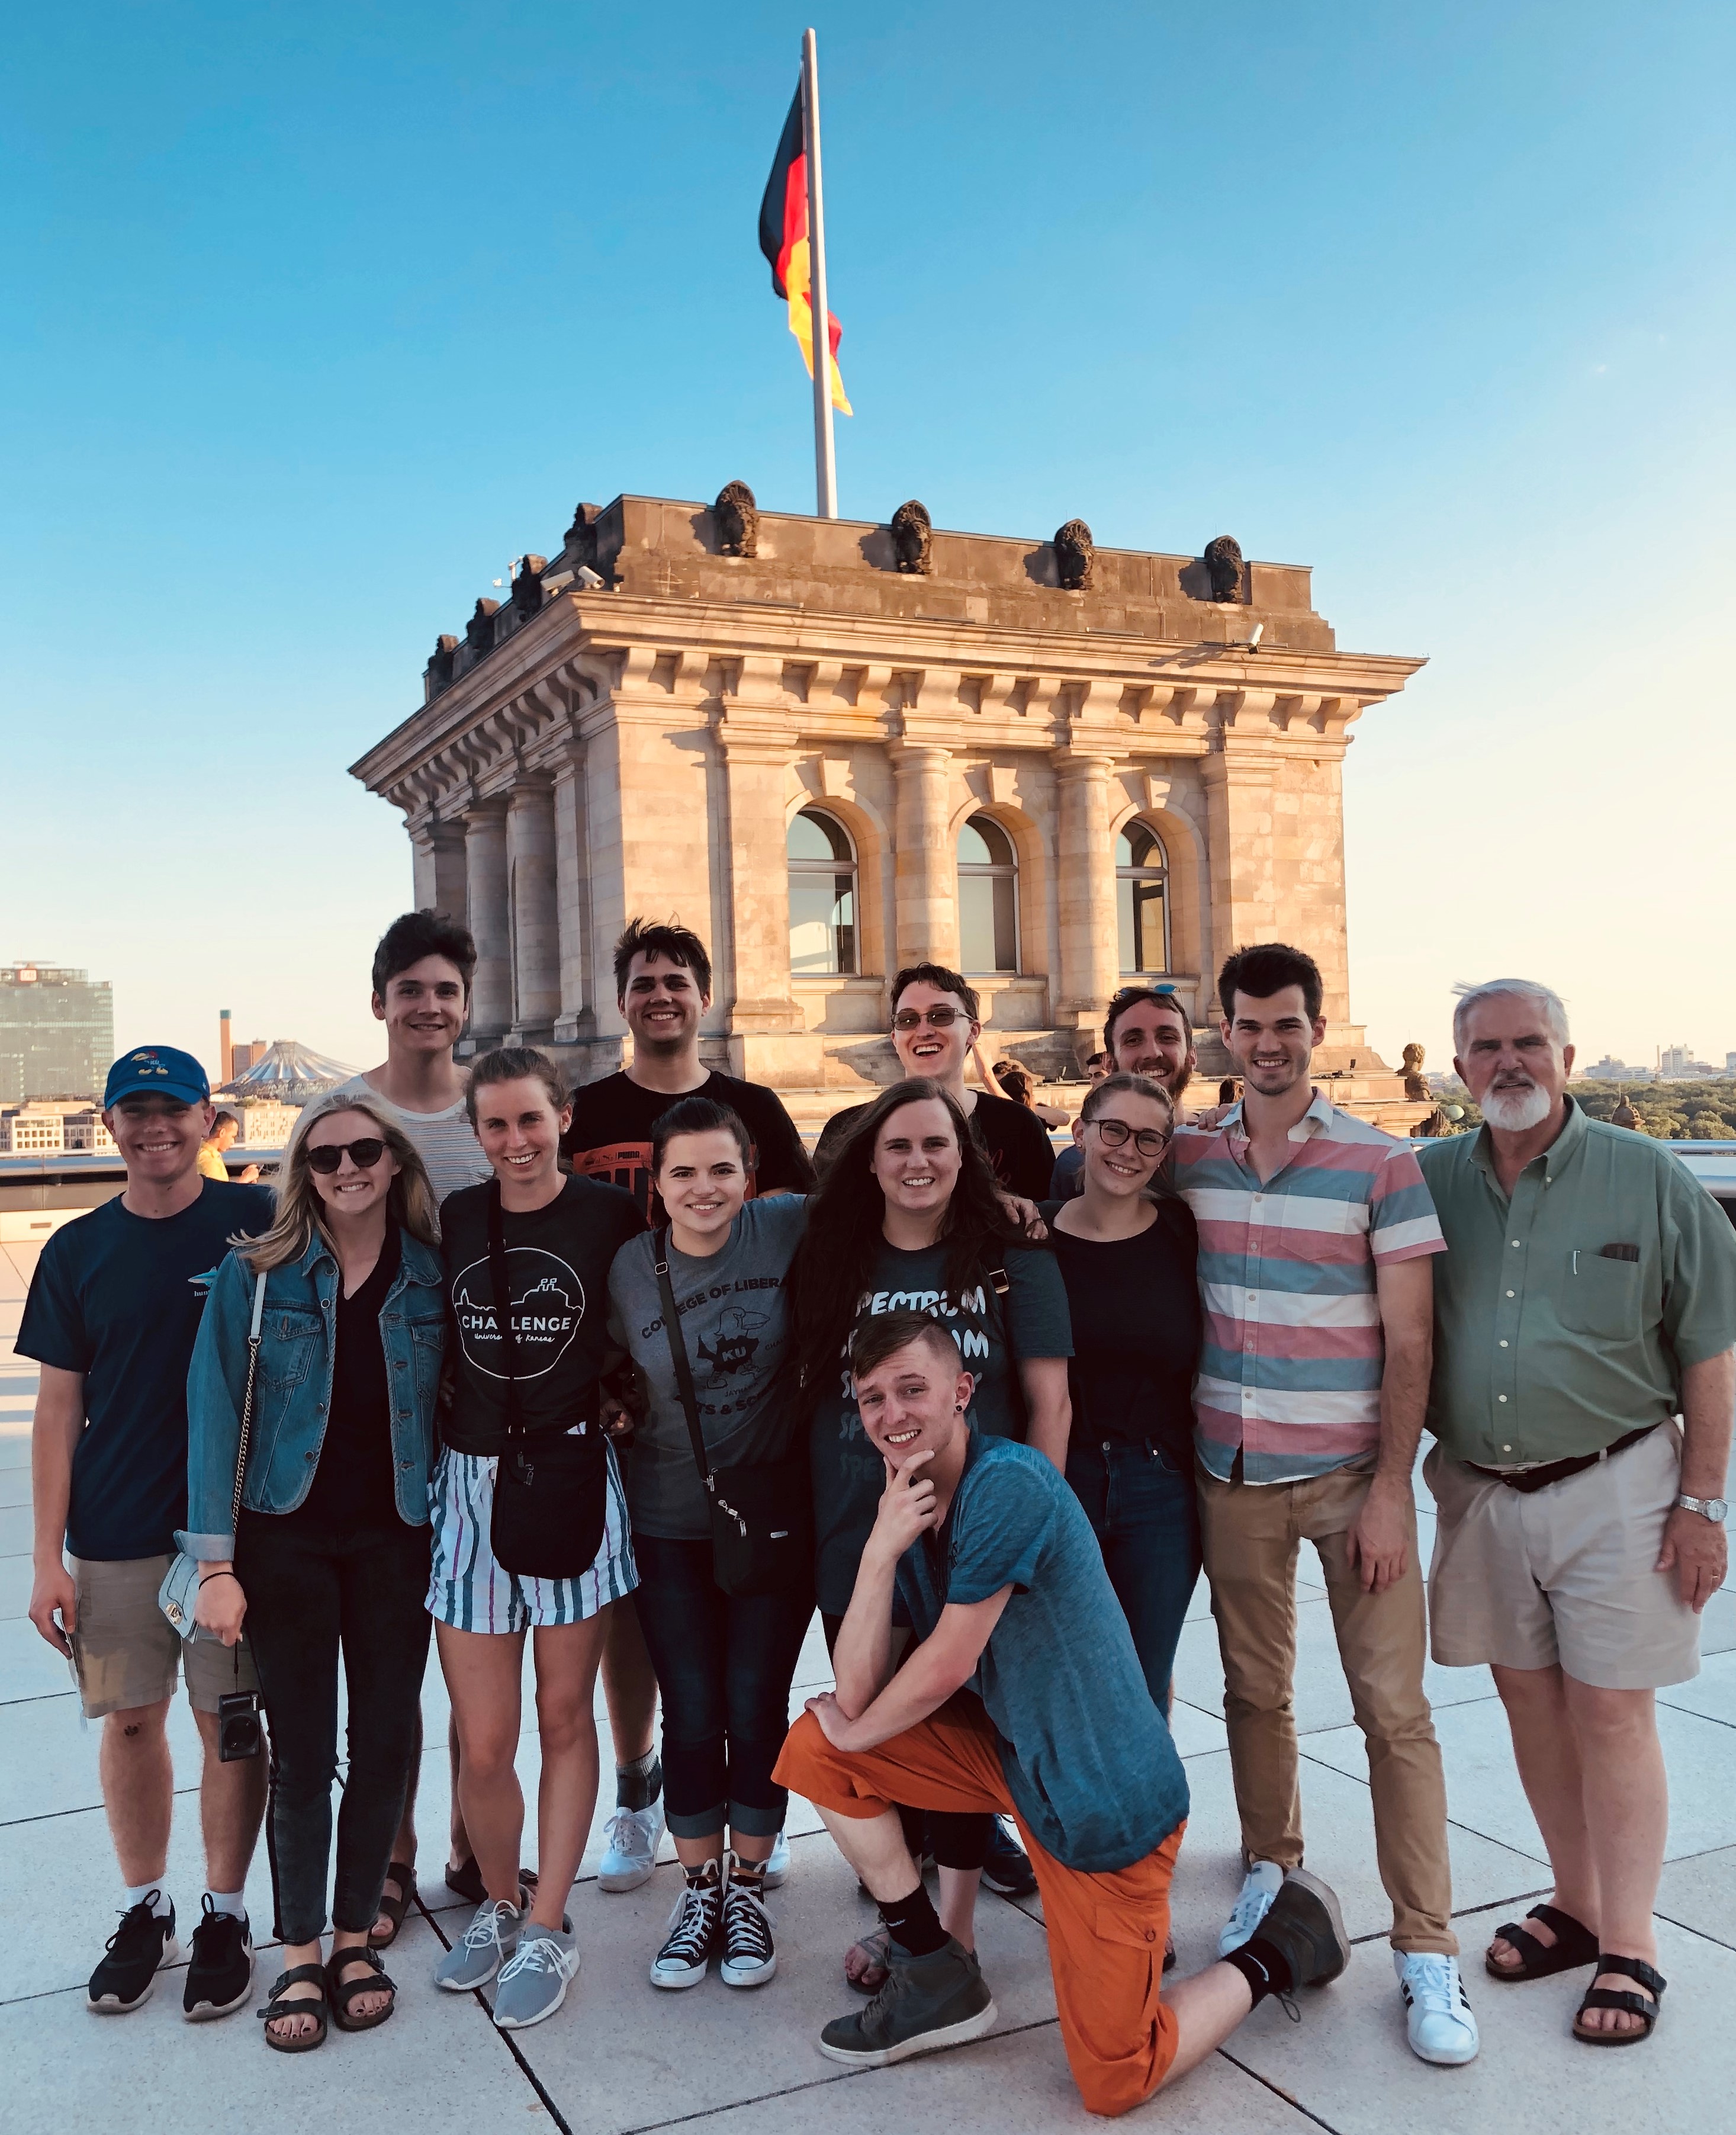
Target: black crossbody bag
point(761, 1516)
point(550, 1496)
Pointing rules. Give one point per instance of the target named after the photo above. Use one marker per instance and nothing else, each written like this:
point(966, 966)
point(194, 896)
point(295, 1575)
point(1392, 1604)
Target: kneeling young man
point(1025, 1696)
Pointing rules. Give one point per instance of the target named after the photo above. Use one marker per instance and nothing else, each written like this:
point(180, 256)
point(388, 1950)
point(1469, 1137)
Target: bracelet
point(205, 1575)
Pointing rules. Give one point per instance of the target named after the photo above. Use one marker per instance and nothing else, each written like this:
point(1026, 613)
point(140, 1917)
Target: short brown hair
point(668, 939)
point(1133, 997)
point(515, 1064)
point(888, 1333)
point(943, 981)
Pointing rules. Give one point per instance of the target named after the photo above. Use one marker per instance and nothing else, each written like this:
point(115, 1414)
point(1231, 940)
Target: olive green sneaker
point(927, 2003)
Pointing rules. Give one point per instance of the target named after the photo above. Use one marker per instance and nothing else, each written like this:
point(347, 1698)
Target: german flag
point(784, 240)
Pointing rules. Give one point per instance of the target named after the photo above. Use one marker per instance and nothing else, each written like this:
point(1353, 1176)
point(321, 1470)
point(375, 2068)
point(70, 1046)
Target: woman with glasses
point(1127, 1249)
point(331, 1554)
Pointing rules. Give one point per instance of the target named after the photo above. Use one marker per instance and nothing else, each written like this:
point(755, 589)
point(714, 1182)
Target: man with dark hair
point(1317, 1246)
point(1023, 1694)
point(936, 1019)
point(662, 988)
point(1148, 1032)
point(226, 1132)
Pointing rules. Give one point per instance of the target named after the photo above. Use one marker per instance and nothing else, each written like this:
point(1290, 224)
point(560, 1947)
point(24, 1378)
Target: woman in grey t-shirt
point(725, 1661)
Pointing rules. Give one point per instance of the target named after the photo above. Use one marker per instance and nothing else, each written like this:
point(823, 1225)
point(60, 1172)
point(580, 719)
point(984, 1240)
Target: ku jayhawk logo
point(737, 1340)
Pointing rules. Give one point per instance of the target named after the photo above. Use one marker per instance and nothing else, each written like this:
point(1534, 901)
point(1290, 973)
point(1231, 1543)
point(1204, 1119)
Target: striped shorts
point(469, 1589)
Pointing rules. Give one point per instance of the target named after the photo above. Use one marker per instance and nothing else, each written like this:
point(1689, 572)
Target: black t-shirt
point(117, 1297)
point(1014, 1141)
point(610, 1138)
point(558, 1260)
point(353, 1490)
point(1135, 1306)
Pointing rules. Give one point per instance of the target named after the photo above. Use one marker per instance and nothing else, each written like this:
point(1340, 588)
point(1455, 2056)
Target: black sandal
point(342, 1992)
point(401, 1873)
point(1607, 1998)
point(314, 2006)
point(1574, 1945)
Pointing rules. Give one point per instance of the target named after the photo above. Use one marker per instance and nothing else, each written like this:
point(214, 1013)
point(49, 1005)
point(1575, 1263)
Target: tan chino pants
point(1252, 1533)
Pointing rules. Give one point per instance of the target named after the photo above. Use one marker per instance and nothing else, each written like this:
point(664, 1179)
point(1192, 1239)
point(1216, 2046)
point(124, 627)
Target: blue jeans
point(725, 1664)
point(1145, 1514)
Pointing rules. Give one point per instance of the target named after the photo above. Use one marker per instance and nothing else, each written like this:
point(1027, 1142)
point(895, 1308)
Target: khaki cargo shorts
point(126, 1652)
point(1563, 1575)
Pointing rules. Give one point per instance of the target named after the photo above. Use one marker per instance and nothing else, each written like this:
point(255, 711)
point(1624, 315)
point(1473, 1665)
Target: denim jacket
point(292, 1391)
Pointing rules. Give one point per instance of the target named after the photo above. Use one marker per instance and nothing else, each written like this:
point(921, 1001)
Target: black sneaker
point(1006, 1865)
point(138, 1949)
point(1304, 1922)
point(220, 1973)
point(927, 2003)
point(686, 1956)
point(744, 1936)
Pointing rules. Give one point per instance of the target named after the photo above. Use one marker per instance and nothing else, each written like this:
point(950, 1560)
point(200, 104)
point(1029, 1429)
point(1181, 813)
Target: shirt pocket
point(1600, 1297)
point(292, 1340)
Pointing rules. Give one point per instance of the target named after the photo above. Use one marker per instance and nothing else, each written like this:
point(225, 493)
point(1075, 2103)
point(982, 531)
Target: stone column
point(484, 873)
point(1086, 881)
point(577, 1020)
point(535, 933)
point(766, 1040)
point(926, 882)
point(1239, 778)
point(437, 863)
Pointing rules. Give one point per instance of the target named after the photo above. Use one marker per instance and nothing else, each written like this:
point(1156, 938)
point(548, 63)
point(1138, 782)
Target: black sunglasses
point(364, 1154)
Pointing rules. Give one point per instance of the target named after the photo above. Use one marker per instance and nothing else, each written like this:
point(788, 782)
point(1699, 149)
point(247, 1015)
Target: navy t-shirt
point(116, 1297)
point(1087, 1756)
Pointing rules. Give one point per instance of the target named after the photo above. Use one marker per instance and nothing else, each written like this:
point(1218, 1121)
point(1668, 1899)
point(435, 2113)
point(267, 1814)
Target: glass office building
point(56, 1033)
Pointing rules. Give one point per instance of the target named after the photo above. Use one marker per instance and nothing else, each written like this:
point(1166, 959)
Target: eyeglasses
point(940, 1019)
point(364, 1154)
point(1149, 1141)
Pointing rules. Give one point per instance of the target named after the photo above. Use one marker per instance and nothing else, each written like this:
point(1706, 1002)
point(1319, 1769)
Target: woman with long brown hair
point(329, 1555)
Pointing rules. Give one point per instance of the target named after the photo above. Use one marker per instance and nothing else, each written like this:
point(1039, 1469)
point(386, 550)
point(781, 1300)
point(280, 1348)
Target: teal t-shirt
point(1087, 1756)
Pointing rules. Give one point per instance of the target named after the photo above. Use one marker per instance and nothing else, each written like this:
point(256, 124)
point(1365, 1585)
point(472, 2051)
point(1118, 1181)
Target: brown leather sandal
point(1607, 1998)
point(313, 2005)
point(1574, 1945)
point(401, 1873)
point(341, 1992)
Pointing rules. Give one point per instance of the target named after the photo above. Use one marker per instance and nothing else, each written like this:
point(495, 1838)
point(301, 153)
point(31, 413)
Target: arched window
point(988, 897)
point(1142, 873)
point(822, 896)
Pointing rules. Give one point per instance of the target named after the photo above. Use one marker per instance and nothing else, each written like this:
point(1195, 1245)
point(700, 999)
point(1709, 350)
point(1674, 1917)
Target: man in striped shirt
point(1317, 1235)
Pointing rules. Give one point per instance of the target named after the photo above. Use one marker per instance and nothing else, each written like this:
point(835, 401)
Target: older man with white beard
point(1585, 1310)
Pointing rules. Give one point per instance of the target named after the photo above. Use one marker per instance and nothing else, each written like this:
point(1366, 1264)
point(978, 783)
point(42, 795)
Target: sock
point(1264, 1967)
point(232, 1902)
point(749, 1876)
point(138, 1893)
point(707, 1872)
point(638, 1785)
point(913, 1923)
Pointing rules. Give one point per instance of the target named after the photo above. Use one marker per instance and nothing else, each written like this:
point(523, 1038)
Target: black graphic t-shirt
point(558, 1262)
point(610, 1138)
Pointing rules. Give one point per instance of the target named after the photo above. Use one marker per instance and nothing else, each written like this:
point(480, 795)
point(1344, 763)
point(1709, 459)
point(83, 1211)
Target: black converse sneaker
point(749, 1959)
point(220, 1973)
point(138, 1949)
point(693, 1929)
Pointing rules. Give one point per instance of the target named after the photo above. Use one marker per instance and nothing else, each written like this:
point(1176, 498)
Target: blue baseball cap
point(158, 1070)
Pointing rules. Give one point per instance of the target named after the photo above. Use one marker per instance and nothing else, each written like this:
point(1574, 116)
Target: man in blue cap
point(113, 1311)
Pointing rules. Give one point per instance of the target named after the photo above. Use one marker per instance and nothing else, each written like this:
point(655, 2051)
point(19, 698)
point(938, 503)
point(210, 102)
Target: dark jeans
point(309, 1595)
point(725, 1664)
point(1145, 1512)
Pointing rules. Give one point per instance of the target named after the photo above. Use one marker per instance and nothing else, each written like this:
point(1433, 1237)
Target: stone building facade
point(833, 748)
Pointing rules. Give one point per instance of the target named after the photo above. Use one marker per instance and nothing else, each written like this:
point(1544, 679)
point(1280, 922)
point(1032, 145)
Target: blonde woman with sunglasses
point(330, 1553)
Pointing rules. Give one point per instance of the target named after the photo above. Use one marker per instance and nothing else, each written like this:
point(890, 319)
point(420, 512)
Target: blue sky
point(315, 316)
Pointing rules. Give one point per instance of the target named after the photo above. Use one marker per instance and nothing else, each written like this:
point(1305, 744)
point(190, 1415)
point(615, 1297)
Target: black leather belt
point(1557, 1471)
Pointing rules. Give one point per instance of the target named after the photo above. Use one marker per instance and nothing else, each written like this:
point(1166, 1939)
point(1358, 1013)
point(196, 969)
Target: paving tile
point(1483, 1793)
point(1718, 1623)
point(1700, 1892)
point(14, 1448)
point(1712, 1693)
point(438, 2062)
point(620, 2055)
point(15, 1578)
point(49, 1766)
point(17, 1531)
point(1348, 2063)
point(1197, 1733)
point(29, 1666)
point(1018, 2085)
point(15, 1487)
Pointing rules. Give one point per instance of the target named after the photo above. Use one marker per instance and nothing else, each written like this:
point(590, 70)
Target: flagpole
point(826, 461)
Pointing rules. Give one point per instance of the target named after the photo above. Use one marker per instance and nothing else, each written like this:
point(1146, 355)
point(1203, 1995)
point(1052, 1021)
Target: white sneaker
point(1437, 2009)
point(534, 1983)
point(631, 1837)
point(1260, 1885)
point(777, 1861)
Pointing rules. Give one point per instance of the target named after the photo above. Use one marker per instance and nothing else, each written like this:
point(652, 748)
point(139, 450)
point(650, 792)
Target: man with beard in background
point(1146, 1032)
point(1586, 1299)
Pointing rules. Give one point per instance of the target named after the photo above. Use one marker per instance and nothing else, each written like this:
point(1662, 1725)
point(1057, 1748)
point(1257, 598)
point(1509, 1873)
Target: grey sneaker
point(927, 2003)
point(489, 1941)
point(534, 1982)
point(1304, 1922)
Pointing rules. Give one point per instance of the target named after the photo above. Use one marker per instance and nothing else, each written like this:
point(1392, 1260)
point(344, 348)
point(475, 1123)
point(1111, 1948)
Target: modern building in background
point(47, 1128)
point(56, 1033)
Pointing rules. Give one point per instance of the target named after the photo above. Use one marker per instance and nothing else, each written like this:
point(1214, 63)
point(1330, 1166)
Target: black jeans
point(725, 1664)
point(1144, 1509)
point(307, 1595)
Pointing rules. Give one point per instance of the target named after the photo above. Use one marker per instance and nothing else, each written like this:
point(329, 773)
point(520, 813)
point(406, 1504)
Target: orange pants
point(1106, 1932)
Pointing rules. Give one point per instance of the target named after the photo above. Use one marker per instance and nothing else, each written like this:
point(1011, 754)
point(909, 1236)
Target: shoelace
point(626, 1821)
point(1430, 1985)
point(135, 1921)
point(541, 1953)
point(746, 1930)
point(485, 1927)
point(1250, 1910)
point(696, 1923)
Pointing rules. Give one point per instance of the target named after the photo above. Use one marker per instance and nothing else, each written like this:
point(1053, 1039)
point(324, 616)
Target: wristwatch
point(1709, 1509)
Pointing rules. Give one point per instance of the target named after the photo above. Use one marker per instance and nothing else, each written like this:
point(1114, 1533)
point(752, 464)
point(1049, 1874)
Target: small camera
point(240, 1735)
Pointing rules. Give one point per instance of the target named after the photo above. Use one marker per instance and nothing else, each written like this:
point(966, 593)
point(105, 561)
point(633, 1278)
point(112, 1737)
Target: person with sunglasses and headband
point(330, 1553)
point(1128, 1251)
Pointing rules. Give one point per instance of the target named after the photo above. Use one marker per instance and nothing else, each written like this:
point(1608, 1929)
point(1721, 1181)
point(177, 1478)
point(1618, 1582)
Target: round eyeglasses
point(364, 1154)
point(1149, 1141)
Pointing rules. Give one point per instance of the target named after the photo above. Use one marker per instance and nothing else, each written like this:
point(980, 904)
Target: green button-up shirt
point(1545, 1346)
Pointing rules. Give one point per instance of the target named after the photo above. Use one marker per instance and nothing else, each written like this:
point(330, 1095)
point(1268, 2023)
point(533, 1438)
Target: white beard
point(1515, 1111)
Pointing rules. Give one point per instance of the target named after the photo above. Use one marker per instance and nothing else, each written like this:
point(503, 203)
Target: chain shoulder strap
point(247, 1399)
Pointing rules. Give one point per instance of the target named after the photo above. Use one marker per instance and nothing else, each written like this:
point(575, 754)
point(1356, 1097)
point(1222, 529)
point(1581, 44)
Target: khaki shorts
point(1563, 1575)
point(125, 1652)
